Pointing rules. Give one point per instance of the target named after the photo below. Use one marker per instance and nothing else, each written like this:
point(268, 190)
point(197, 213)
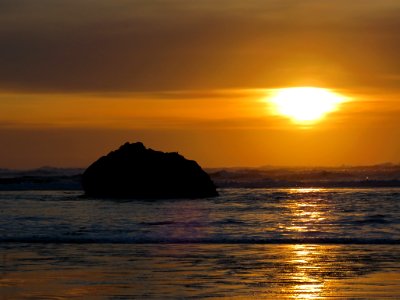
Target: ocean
point(244, 244)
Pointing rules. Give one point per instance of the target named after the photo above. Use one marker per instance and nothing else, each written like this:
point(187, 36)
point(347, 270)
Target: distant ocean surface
point(245, 244)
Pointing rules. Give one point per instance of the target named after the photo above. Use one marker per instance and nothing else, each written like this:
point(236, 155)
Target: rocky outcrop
point(133, 171)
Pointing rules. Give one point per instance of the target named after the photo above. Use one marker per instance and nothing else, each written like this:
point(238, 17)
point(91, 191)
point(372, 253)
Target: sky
point(80, 78)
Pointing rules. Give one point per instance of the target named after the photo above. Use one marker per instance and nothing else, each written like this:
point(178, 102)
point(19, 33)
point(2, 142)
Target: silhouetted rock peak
point(133, 171)
point(138, 146)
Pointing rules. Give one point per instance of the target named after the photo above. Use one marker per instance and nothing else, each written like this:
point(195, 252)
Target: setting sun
point(305, 104)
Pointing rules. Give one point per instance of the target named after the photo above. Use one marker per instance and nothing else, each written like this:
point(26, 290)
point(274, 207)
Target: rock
point(133, 171)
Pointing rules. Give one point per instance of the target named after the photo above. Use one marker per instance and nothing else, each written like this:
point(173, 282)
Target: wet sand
point(196, 271)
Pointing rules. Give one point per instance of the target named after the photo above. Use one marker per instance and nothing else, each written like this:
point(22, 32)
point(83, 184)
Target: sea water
point(245, 244)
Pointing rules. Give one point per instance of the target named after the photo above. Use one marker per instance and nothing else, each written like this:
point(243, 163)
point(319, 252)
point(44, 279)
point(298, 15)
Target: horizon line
point(392, 164)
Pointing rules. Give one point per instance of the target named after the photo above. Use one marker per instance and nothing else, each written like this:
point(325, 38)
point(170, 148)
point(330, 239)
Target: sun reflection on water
point(305, 190)
point(305, 272)
point(306, 213)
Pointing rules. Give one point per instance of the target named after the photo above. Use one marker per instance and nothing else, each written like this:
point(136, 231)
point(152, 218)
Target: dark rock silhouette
point(133, 171)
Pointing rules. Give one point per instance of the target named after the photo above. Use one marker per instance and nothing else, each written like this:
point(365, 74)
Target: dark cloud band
point(125, 46)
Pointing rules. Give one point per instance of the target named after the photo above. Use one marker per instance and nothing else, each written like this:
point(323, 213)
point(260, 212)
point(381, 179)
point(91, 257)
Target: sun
point(305, 104)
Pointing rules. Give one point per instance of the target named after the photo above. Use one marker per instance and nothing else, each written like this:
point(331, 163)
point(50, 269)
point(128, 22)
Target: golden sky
point(78, 78)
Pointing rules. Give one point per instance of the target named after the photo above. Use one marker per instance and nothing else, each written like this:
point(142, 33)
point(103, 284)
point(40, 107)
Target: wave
point(249, 241)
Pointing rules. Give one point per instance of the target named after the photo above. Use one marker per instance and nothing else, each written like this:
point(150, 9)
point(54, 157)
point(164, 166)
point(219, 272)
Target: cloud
point(150, 46)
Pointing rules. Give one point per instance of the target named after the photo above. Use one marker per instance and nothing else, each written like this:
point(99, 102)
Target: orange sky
point(78, 78)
